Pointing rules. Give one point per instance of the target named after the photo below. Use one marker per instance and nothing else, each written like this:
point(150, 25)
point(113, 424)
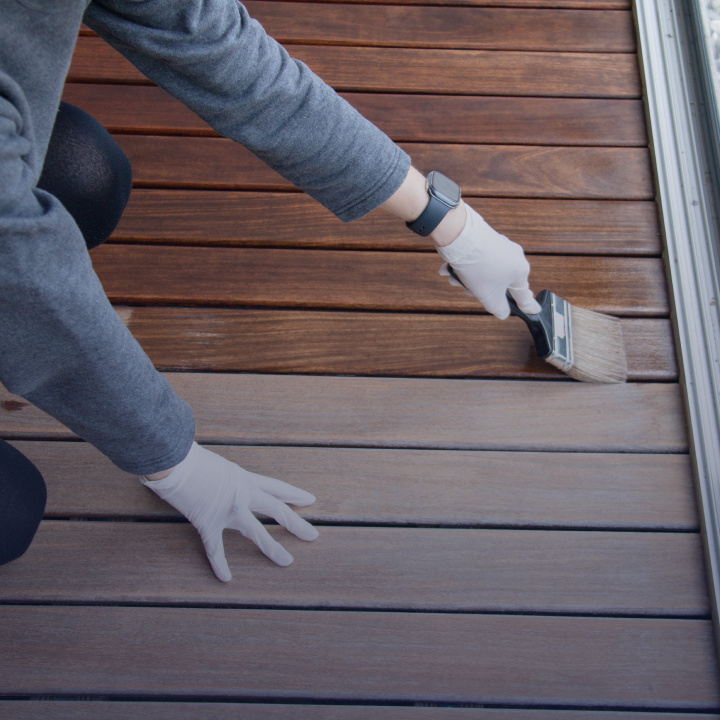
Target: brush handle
point(540, 325)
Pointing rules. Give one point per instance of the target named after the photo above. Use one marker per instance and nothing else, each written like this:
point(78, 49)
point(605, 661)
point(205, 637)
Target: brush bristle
point(598, 348)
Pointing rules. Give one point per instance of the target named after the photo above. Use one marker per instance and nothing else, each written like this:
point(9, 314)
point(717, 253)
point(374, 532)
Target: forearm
point(218, 61)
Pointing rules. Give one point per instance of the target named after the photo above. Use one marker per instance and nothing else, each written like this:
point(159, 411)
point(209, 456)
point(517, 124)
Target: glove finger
point(253, 530)
point(497, 304)
point(215, 551)
point(525, 300)
point(284, 491)
point(279, 511)
point(444, 271)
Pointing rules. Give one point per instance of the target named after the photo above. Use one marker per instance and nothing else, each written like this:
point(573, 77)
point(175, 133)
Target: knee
point(88, 172)
point(23, 494)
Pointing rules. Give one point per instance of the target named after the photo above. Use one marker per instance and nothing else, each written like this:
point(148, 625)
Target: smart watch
point(444, 196)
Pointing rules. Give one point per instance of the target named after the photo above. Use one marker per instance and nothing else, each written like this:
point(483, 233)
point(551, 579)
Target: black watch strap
point(430, 218)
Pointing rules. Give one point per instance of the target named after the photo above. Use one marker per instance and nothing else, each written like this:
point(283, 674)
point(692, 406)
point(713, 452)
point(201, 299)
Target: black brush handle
point(540, 325)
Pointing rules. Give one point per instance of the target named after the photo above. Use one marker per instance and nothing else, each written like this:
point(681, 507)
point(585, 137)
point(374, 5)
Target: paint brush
point(585, 345)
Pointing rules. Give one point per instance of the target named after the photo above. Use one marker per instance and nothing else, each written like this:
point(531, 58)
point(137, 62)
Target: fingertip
point(309, 534)
point(281, 557)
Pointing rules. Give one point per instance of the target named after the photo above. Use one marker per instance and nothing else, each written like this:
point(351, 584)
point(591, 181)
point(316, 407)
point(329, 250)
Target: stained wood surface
point(359, 655)
point(446, 27)
point(405, 118)
point(347, 280)
point(415, 569)
point(384, 344)
point(428, 487)
point(415, 70)
point(101, 710)
point(573, 4)
point(417, 413)
point(481, 170)
point(573, 227)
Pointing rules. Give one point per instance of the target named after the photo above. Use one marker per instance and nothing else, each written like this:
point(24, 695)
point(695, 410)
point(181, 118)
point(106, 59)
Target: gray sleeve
point(63, 346)
point(218, 61)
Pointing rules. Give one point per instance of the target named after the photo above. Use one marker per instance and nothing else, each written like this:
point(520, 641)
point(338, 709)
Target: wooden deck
point(496, 542)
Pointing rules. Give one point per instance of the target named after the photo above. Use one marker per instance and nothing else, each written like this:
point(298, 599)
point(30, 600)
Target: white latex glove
point(214, 493)
point(489, 264)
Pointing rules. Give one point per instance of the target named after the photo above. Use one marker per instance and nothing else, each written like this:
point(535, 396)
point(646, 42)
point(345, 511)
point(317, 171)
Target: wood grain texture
point(446, 27)
point(431, 569)
point(359, 655)
point(418, 487)
point(349, 280)
point(575, 227)
point(481, 170)
point(417, 413)
point(150, 110)
point(415, 70)
point(104, 710)
point(384, 344)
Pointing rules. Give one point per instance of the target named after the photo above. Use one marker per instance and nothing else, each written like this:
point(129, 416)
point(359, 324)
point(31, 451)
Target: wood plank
point(446, 72)
point(572, 4)
point(404, 413)
point(357, 280)
point(409, 657)
point(384, 344)
point(446, 27)
point(575, 227)
point(481, 170)
point(431, 569)
point(106, 710)
point(150, 110)
point(417, 487)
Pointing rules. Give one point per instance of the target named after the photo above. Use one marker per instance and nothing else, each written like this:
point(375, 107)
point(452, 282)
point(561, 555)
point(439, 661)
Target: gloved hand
point(489, 264)
point(214, 493)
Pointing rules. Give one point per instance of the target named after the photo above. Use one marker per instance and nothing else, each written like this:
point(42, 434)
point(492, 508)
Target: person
point(63, 185)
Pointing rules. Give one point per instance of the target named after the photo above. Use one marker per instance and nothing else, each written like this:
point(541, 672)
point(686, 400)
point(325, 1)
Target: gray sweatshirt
point(62, 346)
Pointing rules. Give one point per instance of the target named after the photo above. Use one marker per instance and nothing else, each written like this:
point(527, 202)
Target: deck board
point(359, 656)
point(147, 110)
point(380, 344)
point(483, 170)
point(420, 70)
point(446, 27)
point(567, 227)
point(375, 281)
point(401, 487)
point(411, 413)
point(99, 710)
point(407, 569)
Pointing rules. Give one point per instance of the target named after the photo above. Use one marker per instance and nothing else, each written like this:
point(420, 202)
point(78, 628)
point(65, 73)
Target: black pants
point(91, 176)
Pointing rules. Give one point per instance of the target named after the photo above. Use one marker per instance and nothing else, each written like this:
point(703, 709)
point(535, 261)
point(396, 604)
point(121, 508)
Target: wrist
point(450, 227)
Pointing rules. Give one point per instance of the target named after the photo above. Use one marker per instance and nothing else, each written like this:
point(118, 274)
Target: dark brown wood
point(103, 710)
point(359, 655)
point(411, 413)
point(209, 217)
point(572, 4)
point(446, 27)
point(481, 170)
point(403, 282)
point(232, 340)
point(137, 109)
point(419, 487)
point(447, 72)
point(430, 569)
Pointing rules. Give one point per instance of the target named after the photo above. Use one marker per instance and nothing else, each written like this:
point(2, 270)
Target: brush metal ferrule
point(561, 355)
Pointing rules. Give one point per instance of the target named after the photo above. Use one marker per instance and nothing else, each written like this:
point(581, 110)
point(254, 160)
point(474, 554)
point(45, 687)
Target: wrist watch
point(444, 196)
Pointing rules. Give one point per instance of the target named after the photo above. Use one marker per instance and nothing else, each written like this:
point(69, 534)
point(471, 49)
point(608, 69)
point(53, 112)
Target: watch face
point(444, 188)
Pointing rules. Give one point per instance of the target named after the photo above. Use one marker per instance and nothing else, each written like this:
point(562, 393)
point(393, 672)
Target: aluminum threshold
point(682, 119)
